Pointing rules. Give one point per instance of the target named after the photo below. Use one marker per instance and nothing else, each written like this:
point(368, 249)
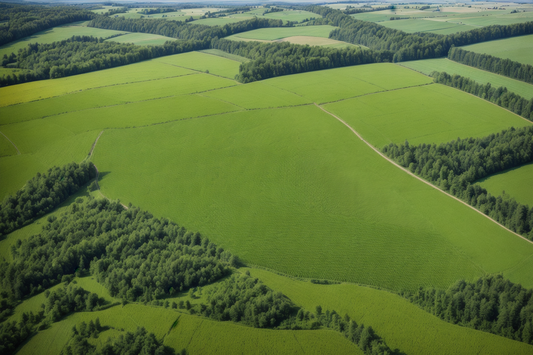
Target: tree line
point(139, 342)
point(507, 67)
point(276, 59)
point(58, 304)
point(83, 54)
point(500, 95)
point(456, 165)
point(181, 30)
point(409, 46)
point(25, 20)
point(490, 304)
point(42, 194)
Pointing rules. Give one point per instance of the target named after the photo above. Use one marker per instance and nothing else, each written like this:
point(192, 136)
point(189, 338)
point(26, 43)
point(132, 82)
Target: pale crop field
point(421, 25)
point(57, 34)
point(428, 66)
point(42, 89)
point(516, 183)
point(275, 33)
point(206, 61)
point(402, 324)
point(430, 114)
point(519, 49)
point(141, 39)
point(294, 190)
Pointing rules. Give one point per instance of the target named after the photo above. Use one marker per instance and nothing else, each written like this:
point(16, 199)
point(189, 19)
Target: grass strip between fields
point(417, 177)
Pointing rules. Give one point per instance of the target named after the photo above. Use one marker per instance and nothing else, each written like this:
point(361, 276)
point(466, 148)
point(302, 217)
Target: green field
point(343, 83)
point(220, 21)
point(220, 53)
point(294, 190)
point(428, 66)
point(515, 182)
point(402, 324)
point(519, 49)
point(275, 33)
point(142, 39)
point(421, 25)
point(57, 34)
point(429, 114)
point(6, 148)
point(209, 60)
point(493, 19)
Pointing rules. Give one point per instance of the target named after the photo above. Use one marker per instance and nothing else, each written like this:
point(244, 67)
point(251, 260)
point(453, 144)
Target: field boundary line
point(203, 72)
point(417, 177)
point(298, 342)
point(96, 87)
point(18, 151)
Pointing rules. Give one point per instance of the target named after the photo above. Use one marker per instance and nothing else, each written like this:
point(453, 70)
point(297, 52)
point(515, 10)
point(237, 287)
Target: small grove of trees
point(137, 343)
point(500, 95)
point(491, 304)
point(43, 193)
point(456, 165)
point(135, 256)
point(58, 304)
point(507, 67)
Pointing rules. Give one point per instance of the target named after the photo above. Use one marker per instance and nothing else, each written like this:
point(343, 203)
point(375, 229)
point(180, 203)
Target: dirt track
point(18, 151)
point(417, 177)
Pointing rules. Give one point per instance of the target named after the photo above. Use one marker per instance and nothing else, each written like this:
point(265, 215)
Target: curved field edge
point(294, 190)
point(196, 335)
point(400, 323)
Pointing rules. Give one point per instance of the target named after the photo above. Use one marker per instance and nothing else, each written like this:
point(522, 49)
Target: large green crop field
point(393, 317)
point(516, 183)
point(294, 190)
point(428, 114)
point(428, 66)
point(275, 33)
point(142, 39)
point(519, 49)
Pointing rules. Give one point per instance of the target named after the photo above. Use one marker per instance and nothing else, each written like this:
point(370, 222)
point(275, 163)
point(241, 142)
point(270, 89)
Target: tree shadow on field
point(102, 175)
point(398, 352)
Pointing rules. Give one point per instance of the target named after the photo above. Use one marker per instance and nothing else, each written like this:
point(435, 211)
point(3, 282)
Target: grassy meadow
point(427, 114)
point(519, 49)
point(421, 25)
point(6, 148)
point(207, 61)
point(515, 182)
point(142, 39)
point(428, 66)
point(393, 318)
point(276, 33)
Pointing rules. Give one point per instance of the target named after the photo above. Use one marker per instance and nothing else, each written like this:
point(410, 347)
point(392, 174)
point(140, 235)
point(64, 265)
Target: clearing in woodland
point(516, 183)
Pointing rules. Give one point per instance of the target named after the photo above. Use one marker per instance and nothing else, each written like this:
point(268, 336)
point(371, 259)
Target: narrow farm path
point(415, 176)
point(18, 151)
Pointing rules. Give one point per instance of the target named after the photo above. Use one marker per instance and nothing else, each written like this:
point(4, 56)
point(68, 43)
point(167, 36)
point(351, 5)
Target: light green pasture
point(205, 61)
point(220, 21)
point(342, 83)
point(517, 183)
point(111, 96)
point(421, 25)
point(402, 325)
point(494, 19)
point(429, 114)
point(56, 34)
point(141, 39)
point(519, 49)
point(37, 90)
point(227, 55)
point(296, 191)
point(428, 66)
point(275, 33)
